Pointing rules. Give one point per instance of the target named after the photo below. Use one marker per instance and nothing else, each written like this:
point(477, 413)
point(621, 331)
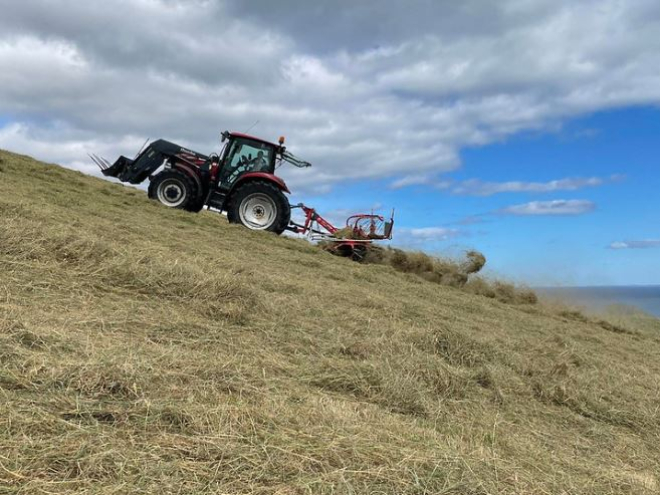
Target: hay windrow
point(452, 273)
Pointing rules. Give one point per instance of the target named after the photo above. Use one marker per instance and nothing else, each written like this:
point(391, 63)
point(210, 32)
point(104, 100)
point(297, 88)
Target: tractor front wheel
point(259, 205)
point(174, 189)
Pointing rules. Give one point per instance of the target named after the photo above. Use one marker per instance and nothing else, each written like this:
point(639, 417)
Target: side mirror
point(224, 136)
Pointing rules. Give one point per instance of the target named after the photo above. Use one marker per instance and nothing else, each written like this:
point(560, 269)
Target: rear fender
point(264, 176)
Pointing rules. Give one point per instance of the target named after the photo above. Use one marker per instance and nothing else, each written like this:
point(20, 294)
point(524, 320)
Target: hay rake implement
point(353, 240)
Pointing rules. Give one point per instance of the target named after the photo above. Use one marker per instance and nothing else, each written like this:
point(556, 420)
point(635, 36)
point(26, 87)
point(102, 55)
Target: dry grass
point(502, 291)
point(430, 268)
point(145, 350)
point(453, 273)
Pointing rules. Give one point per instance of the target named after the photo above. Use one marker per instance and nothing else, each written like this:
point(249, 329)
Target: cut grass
point(452, 273)
point(148, 350)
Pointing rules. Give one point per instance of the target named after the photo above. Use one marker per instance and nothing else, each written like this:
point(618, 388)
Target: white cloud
point(385, 93)
point(475, 187)
point(432, 233)
point(411, 180)
point(61, 141)
point(419, 180)
point(556, 207)
point(643, 244)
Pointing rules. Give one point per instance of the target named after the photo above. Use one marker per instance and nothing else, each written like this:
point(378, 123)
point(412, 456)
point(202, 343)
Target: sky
point(528, 130)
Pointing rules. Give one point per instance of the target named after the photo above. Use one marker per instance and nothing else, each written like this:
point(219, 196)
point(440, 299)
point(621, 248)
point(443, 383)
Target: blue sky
point(544, 249)
point(527, 129)
point(573, 249)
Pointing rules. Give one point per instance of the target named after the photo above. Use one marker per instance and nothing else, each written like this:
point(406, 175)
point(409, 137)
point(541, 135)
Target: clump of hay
point(453, 273)
point(442, 271)
point(346, 233)
point(474, 263)
point(434, 269)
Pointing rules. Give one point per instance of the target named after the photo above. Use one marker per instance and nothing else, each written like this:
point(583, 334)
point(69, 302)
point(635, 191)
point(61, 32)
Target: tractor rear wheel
point(259, 205)
point(174, 189)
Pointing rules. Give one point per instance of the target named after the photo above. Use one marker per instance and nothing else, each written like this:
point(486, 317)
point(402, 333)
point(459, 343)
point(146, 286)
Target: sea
point(644, 297)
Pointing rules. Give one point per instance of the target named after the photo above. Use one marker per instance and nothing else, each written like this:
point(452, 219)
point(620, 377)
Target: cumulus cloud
point(555, 207)
point(475, 187)
point(433, 233)
point(361, 92)
point(643, 244)
point(411, 180)
point(420, 180)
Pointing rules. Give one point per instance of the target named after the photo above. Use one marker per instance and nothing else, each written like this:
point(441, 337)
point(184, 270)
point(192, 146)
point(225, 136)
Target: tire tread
point(274, 192)
point(191, 203)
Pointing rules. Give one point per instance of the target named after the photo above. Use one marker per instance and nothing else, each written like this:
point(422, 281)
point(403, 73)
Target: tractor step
point(216, 200)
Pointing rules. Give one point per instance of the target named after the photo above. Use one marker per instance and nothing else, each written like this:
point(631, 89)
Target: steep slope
point(146, 350)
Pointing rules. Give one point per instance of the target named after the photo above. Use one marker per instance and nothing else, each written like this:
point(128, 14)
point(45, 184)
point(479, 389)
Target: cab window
point(246, 156)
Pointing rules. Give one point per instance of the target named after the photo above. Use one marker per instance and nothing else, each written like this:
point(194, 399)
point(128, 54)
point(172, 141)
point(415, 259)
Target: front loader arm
point(135, 171)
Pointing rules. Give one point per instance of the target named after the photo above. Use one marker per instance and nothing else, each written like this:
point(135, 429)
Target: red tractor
point(240, 180)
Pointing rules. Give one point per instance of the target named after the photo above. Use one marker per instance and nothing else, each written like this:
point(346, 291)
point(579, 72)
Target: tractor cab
point(245, 154)
point(242, 154)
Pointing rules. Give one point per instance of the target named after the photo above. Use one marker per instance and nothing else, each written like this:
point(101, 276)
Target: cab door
point(243, 156)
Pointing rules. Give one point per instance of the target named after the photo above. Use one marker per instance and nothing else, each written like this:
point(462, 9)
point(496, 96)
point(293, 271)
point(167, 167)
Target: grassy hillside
point(146, 350)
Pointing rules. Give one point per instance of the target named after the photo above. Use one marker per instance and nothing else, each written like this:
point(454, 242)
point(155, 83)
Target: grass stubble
point(146, 350)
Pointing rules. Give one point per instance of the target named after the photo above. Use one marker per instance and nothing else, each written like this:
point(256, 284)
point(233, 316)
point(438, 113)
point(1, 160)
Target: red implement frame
point(352, 240)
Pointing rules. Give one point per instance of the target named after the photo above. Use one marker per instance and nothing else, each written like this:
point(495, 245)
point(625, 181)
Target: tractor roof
point(247, 136)
point(286, 155)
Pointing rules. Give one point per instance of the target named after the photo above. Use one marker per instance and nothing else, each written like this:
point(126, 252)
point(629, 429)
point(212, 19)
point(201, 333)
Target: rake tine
point(99, 162)
point(105, 162)
point(95, 159)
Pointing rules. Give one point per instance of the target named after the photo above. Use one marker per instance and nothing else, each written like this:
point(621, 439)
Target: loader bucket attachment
point(114, 170)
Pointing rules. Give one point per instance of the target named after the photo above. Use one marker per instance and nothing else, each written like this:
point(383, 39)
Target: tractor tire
point(196, 206)
point(174, 189)
point(259, 205)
